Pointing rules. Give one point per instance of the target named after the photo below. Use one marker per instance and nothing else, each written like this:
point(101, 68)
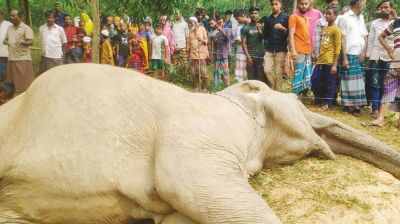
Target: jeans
point(377, 72)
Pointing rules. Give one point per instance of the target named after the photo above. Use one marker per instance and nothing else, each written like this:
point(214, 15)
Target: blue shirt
point(59, 19)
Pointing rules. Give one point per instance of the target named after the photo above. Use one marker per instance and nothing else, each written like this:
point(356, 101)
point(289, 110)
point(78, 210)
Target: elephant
point(90, 143)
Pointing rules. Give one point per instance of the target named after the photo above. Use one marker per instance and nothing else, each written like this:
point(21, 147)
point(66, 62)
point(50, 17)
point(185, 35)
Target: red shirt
point(72, 33)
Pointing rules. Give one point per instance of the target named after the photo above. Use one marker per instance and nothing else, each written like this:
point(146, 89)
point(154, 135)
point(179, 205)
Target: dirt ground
point(341, 191)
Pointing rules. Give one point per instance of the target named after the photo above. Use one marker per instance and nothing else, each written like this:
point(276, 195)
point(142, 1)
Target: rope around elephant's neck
point(243, 109)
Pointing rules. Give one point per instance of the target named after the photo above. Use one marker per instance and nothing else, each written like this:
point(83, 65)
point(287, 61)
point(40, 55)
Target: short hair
point(275, 0)
point(218, 18)
point(159, 26)
point(48, 14)
point(65, 15)
point(197, 12)
point(228, 12)
point(384, 1)
point(253, 8)
point(329, 1)
point(335, 10)
point(239, 13)
point(353, 2)
point(57, 3)
point(19, 12)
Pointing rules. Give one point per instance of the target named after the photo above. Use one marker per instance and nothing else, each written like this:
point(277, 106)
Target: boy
point(123, 45)
point(106, 48)
point(160, 50)
point(221, 41)
point(275, 35)
point(323, 79)
point(300, 48)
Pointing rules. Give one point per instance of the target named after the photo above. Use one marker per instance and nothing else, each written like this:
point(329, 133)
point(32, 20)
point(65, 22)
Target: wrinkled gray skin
point(99, 144)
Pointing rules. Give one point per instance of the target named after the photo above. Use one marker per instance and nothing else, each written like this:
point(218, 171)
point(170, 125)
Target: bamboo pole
point(28, 17)
point(96, 31)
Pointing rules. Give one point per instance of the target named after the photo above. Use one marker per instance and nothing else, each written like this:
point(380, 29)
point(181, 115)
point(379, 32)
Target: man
point(240, 70)
point(320, 25)
point(312, 15)
point(275, 35)
point(4, 24)
point(53, 43)
point(74, 52)
point(379, 60)
point(198, 52)
point(252, 43)
point(19, 38)
point(354, 49)
point(221, 43)
point(300, 48)
point(180, 31)
point(58, 14)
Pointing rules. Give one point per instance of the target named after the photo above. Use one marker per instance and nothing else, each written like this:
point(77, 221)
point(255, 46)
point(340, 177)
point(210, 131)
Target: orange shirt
point(301, 37)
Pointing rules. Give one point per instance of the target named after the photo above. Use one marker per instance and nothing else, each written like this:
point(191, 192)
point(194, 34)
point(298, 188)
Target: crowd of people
point(332, 53)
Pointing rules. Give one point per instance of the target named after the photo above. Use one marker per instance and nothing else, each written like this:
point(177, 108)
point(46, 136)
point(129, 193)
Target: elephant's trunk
point(345, 140)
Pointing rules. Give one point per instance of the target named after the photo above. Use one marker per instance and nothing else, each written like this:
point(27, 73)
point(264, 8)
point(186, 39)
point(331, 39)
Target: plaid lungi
point(303, 72)
point(48, 63)
point(391, 90)
point(179, 57)
point(221, 69)
point(20, 73)
point(352, 83)
point(241, 63)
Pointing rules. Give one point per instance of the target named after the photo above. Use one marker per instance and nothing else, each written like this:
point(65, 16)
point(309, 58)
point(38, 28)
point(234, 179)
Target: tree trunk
point(9, 5)
point(96, 27)
point(28, 17)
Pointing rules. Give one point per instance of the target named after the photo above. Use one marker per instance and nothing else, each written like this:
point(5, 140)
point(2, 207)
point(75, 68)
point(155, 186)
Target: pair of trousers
point(256, 70)
point(377, 72)
point(323, 84)
point(273, 68)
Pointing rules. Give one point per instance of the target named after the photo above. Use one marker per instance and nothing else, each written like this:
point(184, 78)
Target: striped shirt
point(394, 29)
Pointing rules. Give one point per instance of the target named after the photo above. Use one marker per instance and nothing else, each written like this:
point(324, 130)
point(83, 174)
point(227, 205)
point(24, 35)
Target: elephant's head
point(292, 131)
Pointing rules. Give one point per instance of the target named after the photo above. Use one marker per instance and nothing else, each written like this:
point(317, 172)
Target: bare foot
point(323, 108)
point(377, 123)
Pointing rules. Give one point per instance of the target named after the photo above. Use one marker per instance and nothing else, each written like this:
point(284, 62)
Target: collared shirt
point(375, 50)
point(354, 30)
point(276, 40)
point(221, 44)
point(71, 33)
point(394, 29)
point(60, 18)
point(14, 35)
point(52, 40)
point(198, 50)
point(180, 30)
point(3, 30)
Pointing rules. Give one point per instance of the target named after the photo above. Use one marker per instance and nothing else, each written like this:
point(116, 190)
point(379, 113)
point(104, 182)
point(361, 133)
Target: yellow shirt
point(107, 53)
point(331, 43)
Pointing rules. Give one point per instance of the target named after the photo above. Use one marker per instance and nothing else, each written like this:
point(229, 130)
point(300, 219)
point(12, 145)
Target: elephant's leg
point(176, 218)
point(208, 186)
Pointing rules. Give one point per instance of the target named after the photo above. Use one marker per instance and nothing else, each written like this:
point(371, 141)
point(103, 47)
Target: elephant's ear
point(247, 95)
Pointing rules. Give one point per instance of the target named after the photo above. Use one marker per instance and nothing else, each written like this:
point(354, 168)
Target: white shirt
point(238, 38)
point(180, 30)
point(354, 30)
point(375, 50)
point(52, 40)
point(3, 30)
point(157, 42)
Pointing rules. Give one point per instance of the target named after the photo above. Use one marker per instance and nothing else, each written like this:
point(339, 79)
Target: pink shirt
point(313, 15)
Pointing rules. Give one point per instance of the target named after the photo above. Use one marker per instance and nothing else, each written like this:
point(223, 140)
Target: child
point(137, 58)
point(87, 50)
point(324, 76)
point(106, 49)
point(221, 68)
point(160, 51)
point(123, 45)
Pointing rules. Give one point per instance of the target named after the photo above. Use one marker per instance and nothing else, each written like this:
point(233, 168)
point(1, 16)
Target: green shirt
point(255, 45)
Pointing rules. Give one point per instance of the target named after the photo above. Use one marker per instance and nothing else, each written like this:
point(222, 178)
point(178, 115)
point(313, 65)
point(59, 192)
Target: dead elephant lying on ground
point(99, 144)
